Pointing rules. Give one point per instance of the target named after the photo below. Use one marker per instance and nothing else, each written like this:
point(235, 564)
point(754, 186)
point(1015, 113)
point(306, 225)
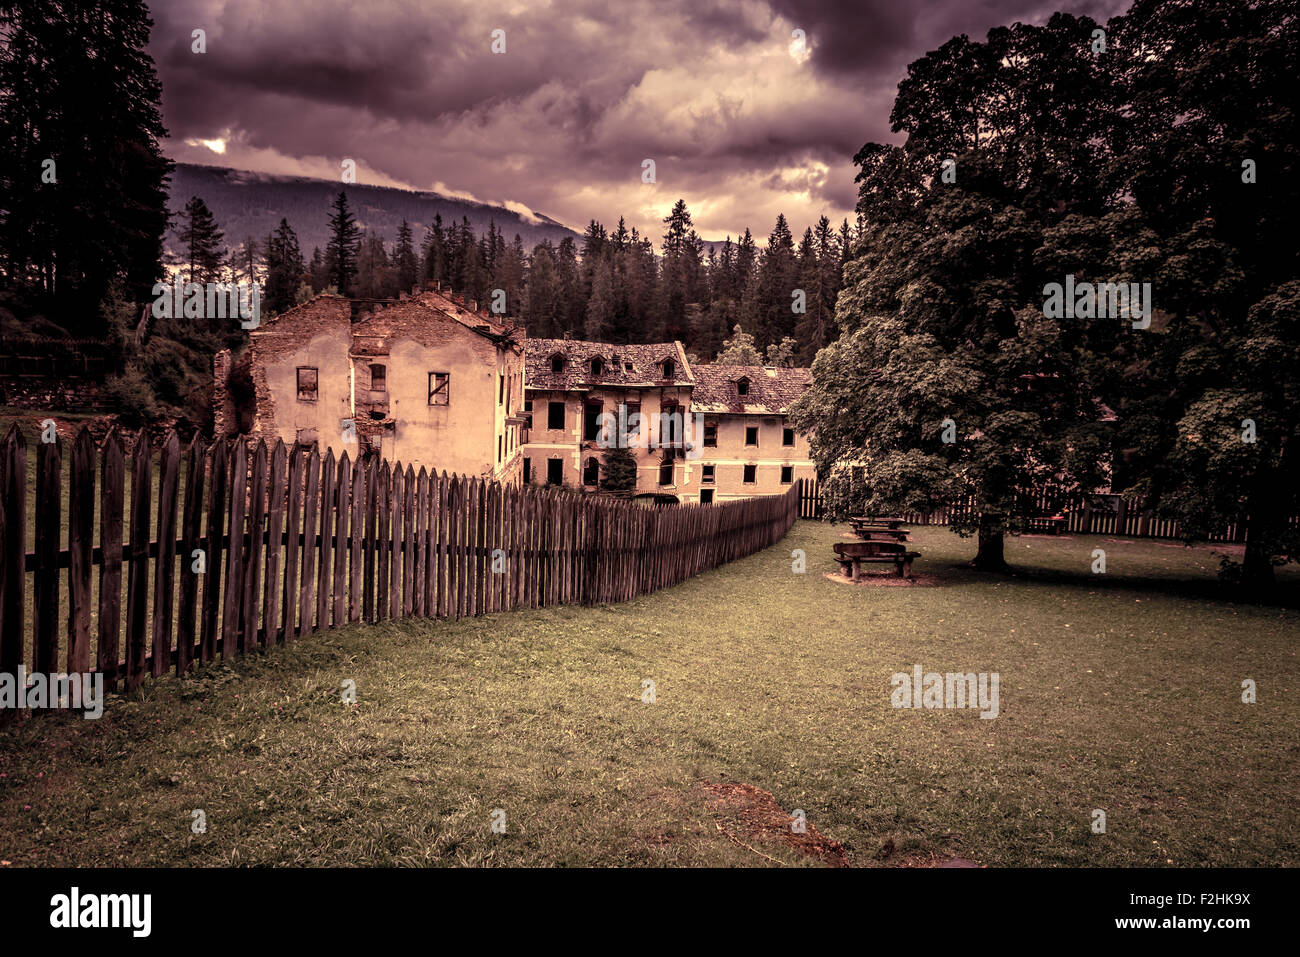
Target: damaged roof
point(631, 365)
point(770, 389)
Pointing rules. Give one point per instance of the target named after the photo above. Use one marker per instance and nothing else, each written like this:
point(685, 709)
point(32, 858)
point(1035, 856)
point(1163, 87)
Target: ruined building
point(432, 381)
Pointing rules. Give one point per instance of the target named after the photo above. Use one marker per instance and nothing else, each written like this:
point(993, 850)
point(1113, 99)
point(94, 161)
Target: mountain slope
point(252, 204)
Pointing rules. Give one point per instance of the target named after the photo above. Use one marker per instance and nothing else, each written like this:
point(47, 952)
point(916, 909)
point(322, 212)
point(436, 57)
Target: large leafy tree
point(83, 203)
point(948, 381)
point(1203, 148)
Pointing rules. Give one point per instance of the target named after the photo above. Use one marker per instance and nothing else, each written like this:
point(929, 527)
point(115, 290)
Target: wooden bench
point(852, 555)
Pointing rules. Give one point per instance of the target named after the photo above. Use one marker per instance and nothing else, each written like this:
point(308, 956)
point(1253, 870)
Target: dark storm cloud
point(736, 123)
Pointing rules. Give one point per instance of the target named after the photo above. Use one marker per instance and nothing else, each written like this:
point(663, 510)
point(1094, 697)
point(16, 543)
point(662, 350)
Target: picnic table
point(871, 533)
point(890, 521)
point(852, 555)
point(1051, 524)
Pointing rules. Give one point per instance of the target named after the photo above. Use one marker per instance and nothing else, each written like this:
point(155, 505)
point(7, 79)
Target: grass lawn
point(1119, 691)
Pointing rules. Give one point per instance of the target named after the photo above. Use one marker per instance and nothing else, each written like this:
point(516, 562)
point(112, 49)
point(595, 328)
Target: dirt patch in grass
point(759, 819)
point(886, 580)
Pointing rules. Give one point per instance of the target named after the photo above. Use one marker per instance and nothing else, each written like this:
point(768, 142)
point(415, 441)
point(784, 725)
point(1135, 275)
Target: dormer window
point(742, 386)
point(557, 363)
point(668, 368)
point(597, 368)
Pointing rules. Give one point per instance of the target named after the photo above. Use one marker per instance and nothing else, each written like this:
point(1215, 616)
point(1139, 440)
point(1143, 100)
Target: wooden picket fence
point(269, 546)
point(1123, 519)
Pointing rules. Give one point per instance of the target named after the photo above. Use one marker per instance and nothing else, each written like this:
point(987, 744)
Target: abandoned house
point(428, 380)
point(746, 446)
point(432, 381)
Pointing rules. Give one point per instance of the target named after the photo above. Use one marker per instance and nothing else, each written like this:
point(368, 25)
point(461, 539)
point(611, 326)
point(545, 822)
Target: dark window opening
point(378, 379)
point(528, 471)
point(555, 415)
point(528, 412)
point(591, 473)
point(501, 389)
point(627, 367)
point(500, 440)
point(742, 387)
point(633, 426)
point(307, 383)
point(751, 474)
point(668, 368)
point(706, 496)
point(439, 388)
point(555, 471)
point(597, 368)
point(787, 474)
point(706, 473)
point(710, 435)
point(787, 436)
point(666, 472)
point(591, 421)
point(751, 435)
point(557, 364)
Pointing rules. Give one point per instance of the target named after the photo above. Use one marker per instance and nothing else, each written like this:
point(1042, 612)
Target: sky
point(743, 116)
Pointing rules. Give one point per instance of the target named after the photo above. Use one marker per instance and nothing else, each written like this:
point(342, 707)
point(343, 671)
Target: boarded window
point(305, 437)
point(378, 378)
point(554, 471)
point(555, 415)
point(751, 474)
point(706, 473)
point(787, 474)
point(439, 388)
point(307, 383)
point(787, 436)
point(751, 435)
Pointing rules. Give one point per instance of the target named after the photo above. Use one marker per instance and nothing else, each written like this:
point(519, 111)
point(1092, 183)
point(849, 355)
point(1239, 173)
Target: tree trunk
point(1257, 566)
point(990, 558)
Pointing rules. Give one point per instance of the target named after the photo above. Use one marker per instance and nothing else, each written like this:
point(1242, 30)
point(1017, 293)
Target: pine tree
point(345, 241)
point(200, 240)
point(284, 269)
point(619, 470)
point(404, 260)
point(78, 87)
